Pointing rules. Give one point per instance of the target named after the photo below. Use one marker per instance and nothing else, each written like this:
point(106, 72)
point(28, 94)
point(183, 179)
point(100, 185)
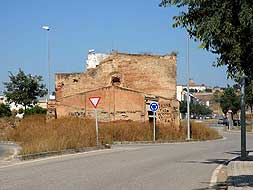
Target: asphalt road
point(6, 150)
point(2, 151)
point(160, 166)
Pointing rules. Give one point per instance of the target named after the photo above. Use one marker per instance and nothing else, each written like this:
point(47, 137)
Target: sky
point(133, 26)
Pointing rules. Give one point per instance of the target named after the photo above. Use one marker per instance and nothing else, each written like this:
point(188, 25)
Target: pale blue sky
point(134, 26)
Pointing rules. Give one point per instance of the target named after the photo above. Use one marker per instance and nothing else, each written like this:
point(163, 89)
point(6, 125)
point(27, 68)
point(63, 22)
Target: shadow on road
point(236, 153)
point(217, 186)
point(215, 161)
point(240, 181)
point(209, 161)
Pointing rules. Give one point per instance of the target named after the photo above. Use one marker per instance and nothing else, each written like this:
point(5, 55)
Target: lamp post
point(47, 29)
point(188, 93)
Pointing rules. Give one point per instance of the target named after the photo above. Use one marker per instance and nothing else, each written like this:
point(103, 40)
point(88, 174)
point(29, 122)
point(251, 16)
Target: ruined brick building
point(126, 83)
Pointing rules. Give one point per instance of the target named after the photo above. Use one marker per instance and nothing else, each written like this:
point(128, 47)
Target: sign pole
point(94, 100)
point(154, 126)
point(96, 126)
point(154, 107)
point(243, 121)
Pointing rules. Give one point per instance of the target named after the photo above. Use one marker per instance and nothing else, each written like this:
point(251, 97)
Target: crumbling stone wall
point(125, 82)
point(168, 112)
point(114, 105)
point(151, 74)
point(118, 103)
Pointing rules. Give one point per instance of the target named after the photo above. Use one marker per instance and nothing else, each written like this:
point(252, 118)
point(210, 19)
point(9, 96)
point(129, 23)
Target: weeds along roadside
point(36, 135)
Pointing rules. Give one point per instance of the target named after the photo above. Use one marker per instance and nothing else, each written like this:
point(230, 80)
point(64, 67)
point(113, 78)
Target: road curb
point(239, 131)
point(165, 142)
point(8, 142)
point(61, 152)
point(214, 179)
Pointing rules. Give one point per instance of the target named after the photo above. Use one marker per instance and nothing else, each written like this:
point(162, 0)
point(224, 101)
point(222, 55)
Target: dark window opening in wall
point(115, 80)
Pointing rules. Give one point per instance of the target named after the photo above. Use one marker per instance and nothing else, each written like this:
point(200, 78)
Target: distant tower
point(191, 81)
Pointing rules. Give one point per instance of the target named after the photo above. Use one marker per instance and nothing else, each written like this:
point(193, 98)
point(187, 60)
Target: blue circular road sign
point(154, 106)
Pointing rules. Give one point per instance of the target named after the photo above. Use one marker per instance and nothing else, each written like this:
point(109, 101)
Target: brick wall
point(145, 73)
point(124, 82)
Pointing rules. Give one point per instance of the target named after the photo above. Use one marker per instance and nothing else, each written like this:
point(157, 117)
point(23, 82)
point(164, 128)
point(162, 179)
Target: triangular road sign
point(95, 100)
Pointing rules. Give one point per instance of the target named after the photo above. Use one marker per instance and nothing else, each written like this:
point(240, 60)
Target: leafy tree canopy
point(230, 100)
point(35, 110)
point(5, 110)
point(248, 92)
point(195, 109)
point(224, 27)
point(24, 89)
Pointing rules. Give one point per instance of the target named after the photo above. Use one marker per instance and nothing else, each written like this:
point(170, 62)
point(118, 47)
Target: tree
point(5, 110)
point(191, 90)
point(209, 90)
point(224, 27)
point(199, 109)
point(35, 110)
point(216, 96)
point(249, 97)
point(24, 89)
point(230, 100)
point(248, 92)
point(195, 108)
point(183, 107)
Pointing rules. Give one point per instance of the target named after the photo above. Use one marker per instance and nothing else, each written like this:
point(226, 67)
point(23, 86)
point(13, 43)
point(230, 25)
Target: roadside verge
point(61, 152)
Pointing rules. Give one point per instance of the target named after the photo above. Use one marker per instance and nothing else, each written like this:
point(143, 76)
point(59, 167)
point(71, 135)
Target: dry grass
point(124, 131)
point(36, 135)
point(199, 131)
point(5, 125)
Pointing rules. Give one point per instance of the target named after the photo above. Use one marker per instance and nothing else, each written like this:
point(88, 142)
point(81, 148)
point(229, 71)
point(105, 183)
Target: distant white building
point(193, 86)
point(94, 58)
point(3, 100)
point(41, 103)
point(182, 94)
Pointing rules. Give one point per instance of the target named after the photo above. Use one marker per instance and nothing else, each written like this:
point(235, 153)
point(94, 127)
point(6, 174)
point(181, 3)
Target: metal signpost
point(94, 101)
point(154, 107)
point(243, 121)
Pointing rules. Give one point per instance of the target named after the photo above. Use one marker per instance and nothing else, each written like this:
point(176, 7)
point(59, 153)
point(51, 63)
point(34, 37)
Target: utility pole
point(188, 93)
point(243, 123)
point(48, 57)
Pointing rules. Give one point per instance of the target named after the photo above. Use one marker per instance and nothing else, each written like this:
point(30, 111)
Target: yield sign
point(95, 100)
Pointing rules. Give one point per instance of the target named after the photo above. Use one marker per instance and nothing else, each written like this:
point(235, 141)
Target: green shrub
point(35, 110)
point(5, 110)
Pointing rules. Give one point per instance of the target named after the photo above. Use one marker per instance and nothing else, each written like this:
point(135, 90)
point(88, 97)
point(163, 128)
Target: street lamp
point(188, 93)
point(47, 29)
